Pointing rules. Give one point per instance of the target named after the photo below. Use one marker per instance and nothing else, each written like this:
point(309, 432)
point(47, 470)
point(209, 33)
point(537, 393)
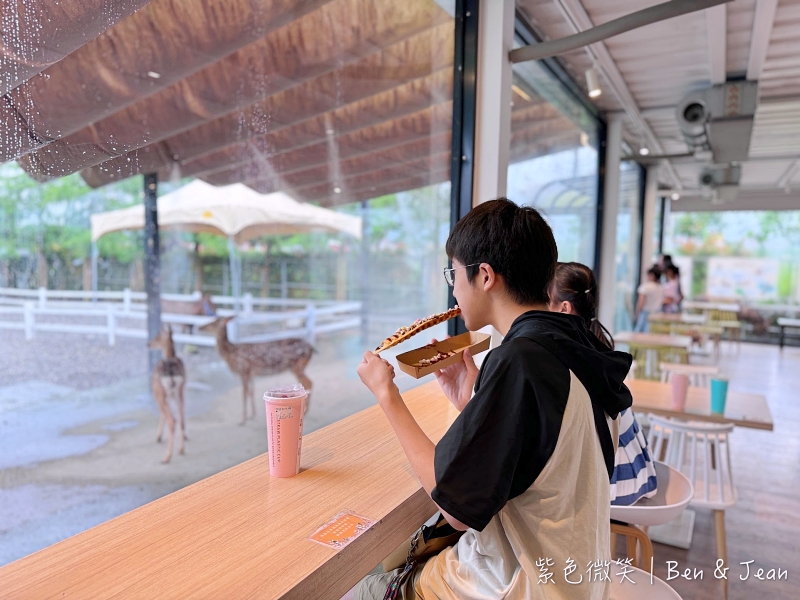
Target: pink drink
point(680, 386)
point(285, 408)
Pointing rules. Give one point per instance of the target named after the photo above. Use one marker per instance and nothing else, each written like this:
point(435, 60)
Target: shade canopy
point(231, 210)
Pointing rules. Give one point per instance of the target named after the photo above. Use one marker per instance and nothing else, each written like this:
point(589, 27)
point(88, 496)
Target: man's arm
point(377, 375)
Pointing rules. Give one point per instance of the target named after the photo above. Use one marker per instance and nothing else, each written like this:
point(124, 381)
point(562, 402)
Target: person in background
point(574, 291)
point(664, 261)
point(651, 298)
point(672, 290)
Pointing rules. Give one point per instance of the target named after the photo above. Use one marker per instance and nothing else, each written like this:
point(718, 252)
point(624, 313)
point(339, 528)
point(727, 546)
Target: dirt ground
point(72, 458)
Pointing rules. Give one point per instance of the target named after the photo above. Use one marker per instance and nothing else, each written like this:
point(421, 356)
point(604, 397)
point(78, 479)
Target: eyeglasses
point(450, 274)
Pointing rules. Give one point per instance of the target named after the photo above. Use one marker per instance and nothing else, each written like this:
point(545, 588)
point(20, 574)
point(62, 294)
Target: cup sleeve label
point(284, 412)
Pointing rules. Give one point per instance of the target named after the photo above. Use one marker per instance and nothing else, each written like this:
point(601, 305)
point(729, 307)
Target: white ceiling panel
point(662, 62)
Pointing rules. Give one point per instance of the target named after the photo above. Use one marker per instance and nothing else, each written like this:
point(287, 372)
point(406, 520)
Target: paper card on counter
point(341, 530)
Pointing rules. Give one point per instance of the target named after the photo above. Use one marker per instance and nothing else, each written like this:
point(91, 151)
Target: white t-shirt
point(653, 296)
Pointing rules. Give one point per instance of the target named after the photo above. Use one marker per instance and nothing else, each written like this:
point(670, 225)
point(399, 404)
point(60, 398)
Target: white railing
point(122, 314)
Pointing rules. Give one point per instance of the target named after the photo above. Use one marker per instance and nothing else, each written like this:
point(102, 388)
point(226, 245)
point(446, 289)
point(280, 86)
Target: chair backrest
point(622, 589)
point(699, 375)
point(700, 451)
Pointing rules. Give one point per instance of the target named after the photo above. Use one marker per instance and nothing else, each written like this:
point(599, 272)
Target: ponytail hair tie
point(593, 319)
point(587, 291)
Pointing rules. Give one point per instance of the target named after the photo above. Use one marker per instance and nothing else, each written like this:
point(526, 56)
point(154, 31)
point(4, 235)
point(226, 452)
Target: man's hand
point(458, 380)
point(378, 375)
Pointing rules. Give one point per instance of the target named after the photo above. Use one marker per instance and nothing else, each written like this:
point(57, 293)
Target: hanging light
point(675, 196)
point(593, 83)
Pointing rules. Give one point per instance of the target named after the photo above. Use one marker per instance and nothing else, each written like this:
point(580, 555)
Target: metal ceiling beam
point(717, 30)
point(759, 40)
point(577, 17)
point(592, 35)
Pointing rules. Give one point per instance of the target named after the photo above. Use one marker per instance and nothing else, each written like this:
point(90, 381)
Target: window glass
point(250, 114)
point(553, 161)
point(626, 257)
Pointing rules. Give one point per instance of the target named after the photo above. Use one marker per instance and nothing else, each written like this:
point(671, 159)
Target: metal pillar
point(608, 275)
point(462, 158)
point(152, 268)
point(648, 220)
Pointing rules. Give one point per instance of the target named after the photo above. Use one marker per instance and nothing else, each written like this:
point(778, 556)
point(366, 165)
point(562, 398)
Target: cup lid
point(287, 391)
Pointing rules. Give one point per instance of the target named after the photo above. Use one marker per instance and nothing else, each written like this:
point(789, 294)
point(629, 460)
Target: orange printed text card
point(341, 530)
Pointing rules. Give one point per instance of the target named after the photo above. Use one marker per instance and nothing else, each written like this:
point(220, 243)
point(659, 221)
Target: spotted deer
point(167, 382)
point(265, 358)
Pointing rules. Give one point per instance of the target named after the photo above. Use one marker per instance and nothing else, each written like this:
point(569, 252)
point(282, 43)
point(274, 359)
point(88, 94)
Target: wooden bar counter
point(244, 534)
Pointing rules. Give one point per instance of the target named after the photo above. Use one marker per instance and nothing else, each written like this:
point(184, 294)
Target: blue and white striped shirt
point(634, 474)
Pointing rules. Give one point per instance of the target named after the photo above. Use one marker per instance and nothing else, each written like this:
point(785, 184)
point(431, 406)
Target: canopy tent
point(235, 211)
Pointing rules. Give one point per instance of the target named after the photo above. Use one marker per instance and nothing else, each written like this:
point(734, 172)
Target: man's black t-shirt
point(503, 438)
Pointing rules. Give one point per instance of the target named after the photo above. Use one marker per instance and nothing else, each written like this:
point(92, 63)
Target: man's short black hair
point(515, 240)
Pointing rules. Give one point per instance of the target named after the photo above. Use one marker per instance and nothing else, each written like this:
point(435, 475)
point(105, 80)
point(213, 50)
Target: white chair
point(701, 451)
point(622, 589)
point(673, 495)
point(699, 375)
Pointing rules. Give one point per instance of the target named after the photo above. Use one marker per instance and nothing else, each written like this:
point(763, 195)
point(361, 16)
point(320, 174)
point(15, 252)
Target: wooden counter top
point(243, 534)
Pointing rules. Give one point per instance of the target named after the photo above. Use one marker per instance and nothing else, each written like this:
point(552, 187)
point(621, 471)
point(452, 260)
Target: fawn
point(168, 381)
point(265, 358)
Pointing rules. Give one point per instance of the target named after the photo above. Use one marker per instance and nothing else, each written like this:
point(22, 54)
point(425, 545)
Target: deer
point(167, 382)
point(264, 358)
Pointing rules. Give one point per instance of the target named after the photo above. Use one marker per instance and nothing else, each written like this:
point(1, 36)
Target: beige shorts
point(374, 586)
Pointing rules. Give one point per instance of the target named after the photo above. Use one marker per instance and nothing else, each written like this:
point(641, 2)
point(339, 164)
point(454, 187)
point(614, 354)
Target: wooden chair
point(699, 375)
point(702, 453)
point(622, 589)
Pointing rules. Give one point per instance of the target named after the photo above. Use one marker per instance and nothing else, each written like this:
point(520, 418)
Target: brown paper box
point(476, 342)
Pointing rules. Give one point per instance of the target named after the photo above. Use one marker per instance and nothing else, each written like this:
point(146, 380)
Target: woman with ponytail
point(574, 291)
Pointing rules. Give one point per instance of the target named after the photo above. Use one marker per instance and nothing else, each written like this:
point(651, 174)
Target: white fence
point(124, 314)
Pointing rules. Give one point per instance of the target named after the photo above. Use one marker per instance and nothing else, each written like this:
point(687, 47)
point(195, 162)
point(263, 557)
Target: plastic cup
point(680, 386)
point(285, 408)
point(719, 393)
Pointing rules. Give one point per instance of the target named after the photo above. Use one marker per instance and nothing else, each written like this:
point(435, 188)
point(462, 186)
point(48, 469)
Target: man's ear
point(487, 277)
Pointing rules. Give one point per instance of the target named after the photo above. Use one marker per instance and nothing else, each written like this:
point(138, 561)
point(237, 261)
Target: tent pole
point(364, 272)
point(235, 277)
point(94, 270)
point(152, 268)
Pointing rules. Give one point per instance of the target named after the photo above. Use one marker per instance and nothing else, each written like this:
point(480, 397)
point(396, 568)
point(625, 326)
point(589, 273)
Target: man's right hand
point(458, 380)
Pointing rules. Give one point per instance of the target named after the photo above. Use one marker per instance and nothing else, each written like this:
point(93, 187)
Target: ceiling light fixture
point(644, 151)
point(675, 196)
point(337, 190)
point(593, 83)
point(154, 75)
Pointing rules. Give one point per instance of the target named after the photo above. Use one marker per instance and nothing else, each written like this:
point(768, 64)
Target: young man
point(524, 469)
point(651, 297)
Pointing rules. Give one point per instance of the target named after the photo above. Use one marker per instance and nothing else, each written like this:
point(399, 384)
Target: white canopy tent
point(235, 211)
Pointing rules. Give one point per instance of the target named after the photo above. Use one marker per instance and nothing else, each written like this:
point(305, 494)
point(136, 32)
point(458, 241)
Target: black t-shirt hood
point(601, 371)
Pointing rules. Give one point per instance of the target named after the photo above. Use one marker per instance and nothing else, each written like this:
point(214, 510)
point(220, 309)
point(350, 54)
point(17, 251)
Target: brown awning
point(333, 101)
